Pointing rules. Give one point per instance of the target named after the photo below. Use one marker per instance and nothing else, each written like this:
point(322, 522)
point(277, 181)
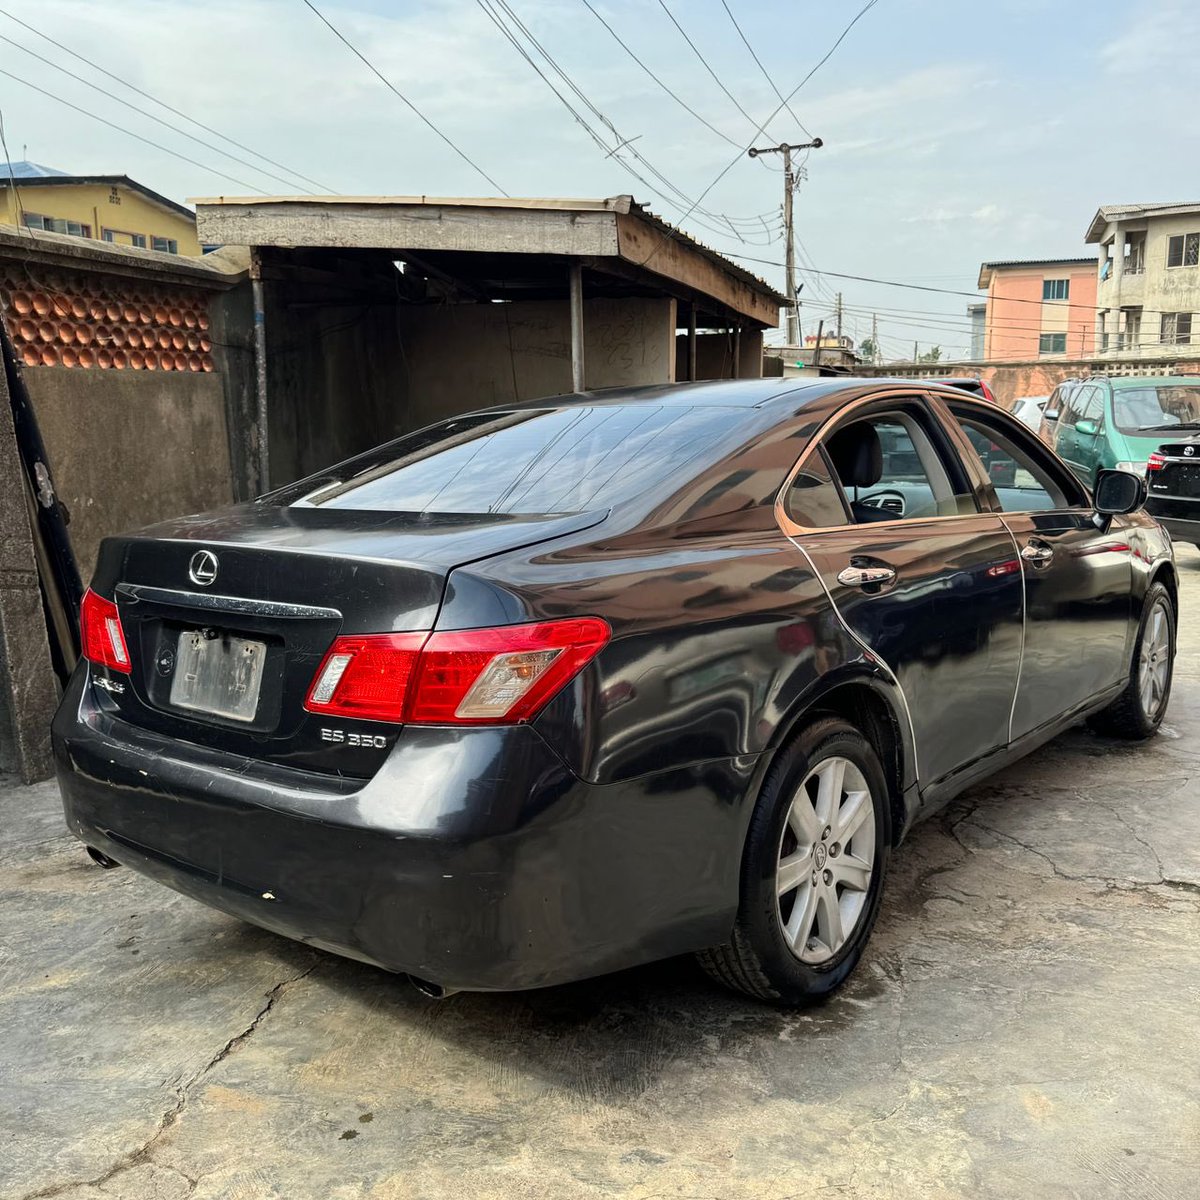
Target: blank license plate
point(220, 675)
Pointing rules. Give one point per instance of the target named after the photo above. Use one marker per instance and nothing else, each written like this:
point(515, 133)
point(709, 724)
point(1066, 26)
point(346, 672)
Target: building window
point(1176, 329)
point(1052, 343)
point(123, 237)
point(1056, 289)
point(164, 245)
point(1102, 328)
point(1135, 254)
point(1129, 339)
point(1183, 250)
point(56, 225)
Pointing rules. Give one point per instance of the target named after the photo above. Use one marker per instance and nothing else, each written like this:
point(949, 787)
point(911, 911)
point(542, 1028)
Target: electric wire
point(162, 103)
point(398, 93)
point(130, 133)
point(766, 75)
point(143, 112)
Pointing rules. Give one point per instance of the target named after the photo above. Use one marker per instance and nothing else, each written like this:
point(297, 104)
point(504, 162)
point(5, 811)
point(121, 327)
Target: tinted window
point(539, 461)
point(814, 500)
point(1155, 405)
point(1023, 478)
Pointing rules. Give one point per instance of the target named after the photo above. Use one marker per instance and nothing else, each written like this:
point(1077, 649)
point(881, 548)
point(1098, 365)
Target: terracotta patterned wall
point(105, 322)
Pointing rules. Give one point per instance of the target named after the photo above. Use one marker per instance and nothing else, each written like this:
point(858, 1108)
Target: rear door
point(1078, 579)
point(922, 578)
point(1077, 448)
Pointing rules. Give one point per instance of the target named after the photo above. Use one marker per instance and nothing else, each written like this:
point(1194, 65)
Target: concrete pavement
point(1024, 1024)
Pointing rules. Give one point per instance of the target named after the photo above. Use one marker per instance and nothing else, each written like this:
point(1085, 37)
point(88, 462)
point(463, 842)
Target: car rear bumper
point(1180, 518)
point(474, 858)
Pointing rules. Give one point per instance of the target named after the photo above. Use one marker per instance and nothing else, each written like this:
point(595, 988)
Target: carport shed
point(377, 315)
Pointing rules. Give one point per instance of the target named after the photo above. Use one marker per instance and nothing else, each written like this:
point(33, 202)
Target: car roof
point(1126, 381)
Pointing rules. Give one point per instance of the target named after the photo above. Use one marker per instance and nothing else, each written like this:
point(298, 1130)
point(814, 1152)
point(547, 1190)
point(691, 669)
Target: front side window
point(1052, 343)
point(1155, 406)
point(1056, 289)
point(1183, 250)
point(1023, 477)
point(529, 461)
point(889, 468)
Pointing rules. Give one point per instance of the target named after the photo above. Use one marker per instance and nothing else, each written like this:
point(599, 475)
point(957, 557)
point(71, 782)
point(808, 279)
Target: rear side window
point(531, 461)
point(814, 500)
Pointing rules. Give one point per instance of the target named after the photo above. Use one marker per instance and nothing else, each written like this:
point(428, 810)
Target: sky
point(955, 131)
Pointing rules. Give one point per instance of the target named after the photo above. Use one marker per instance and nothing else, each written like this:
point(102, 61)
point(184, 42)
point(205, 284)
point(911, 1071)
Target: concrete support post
point(577, 371)
point(260, 376)
point(737, 352)
point(692, 344)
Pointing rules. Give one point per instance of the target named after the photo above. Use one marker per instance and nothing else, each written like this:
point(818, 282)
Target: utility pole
point(875, 339)
point(816, 362)
point(789, 186)
point(838, 311)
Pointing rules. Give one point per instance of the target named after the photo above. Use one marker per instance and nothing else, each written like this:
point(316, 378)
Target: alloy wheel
point(826, 859)
point(1154, 662)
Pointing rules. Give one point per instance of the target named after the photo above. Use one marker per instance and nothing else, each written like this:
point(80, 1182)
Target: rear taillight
point(100, 632)
point(1156, 461)
point(476, 676)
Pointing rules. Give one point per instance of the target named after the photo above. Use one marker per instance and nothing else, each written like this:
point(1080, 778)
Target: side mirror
point(1119, 492)
point(1087, 427)
point(1051, 414)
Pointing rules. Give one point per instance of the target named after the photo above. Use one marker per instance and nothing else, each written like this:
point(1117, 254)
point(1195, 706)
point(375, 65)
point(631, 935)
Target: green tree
point(933, 354)
point(866, 350)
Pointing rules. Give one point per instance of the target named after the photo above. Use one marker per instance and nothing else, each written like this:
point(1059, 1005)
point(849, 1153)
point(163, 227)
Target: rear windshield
point(530, 462)
point(1156, 407)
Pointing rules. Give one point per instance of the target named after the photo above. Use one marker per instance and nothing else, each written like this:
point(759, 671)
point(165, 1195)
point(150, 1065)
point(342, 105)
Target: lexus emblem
point(202, 569)
point(1189, 450)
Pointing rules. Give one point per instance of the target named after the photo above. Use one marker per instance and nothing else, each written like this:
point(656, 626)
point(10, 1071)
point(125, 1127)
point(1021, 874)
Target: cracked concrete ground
point(1024, 1024)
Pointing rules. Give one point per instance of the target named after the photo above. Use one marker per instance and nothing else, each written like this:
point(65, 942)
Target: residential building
point(1148, 293)
point(109, 208)
point(1038, 308)
point(977, 316)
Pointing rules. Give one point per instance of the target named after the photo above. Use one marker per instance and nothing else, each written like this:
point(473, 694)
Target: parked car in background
point(1173, 475)
point(554, 689)
point(1058, 398)
point(1028, 410)
point(970, 384)
point(1118, 421)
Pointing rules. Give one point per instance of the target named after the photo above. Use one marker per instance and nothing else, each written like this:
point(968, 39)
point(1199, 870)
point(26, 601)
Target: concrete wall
point(469, 356)
point(714, 355)
point(128, 448)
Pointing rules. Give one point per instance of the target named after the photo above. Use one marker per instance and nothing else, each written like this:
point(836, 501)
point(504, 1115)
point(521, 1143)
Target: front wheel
point(1139, 710)
point(812, 871)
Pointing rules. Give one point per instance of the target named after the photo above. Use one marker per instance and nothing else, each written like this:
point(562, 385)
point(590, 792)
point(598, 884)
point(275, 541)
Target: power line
point(396, 91)
point(142, 112)
point(704, 62)
point(766, 75)
point(496, 11)
point(162, 103)
point(674, 96)
point(743, 150)
point(130, 133)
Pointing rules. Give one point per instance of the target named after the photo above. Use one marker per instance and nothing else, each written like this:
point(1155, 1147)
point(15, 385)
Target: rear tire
point(812, 871)
point(1138, 711)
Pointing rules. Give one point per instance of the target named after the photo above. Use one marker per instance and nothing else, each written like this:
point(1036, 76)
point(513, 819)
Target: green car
point(1117, 421)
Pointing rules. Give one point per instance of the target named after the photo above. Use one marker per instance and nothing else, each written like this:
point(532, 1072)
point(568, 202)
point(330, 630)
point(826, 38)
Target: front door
point(1078, 579)
point(935, 595)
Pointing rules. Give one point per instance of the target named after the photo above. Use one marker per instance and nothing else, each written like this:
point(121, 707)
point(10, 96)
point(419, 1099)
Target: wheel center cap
point(819, 855)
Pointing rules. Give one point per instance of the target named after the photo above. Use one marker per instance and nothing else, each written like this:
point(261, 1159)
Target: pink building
point(1040, 308)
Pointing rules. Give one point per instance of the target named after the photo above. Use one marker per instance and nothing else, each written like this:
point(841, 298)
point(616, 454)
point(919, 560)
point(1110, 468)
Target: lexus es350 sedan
point(554, 689)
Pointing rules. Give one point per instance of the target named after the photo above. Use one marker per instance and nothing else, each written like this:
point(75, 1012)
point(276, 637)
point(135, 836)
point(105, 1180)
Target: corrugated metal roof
point(1116, 212)
point(28, 170)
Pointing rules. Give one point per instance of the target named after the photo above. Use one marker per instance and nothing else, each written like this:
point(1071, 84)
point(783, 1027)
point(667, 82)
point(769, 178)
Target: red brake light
point(476, 676)
point(1156, 461)
point(100, 632)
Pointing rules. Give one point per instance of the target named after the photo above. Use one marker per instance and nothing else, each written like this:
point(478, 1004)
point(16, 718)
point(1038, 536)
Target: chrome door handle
point(1037, 552)
point(861, 576)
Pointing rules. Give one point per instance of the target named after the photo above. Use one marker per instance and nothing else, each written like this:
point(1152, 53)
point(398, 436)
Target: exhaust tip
point(101, 860)
point(434, 991)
